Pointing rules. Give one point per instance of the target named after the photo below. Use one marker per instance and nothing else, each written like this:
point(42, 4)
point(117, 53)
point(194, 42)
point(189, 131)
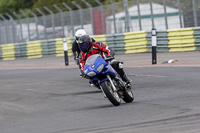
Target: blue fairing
point(92, 63)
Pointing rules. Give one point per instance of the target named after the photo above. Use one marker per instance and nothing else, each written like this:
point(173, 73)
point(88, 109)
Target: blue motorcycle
point(102, 75)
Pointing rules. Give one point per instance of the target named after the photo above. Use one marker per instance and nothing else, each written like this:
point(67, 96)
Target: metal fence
point(121, 17)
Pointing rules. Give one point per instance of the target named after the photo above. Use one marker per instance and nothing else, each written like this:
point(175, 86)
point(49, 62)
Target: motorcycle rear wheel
point(110, 94)
point(128, 95)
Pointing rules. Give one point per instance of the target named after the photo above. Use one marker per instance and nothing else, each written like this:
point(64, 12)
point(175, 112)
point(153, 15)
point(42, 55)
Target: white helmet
point(79, 33)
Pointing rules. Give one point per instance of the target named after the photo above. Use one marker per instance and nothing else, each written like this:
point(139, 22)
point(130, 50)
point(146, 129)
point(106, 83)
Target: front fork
point(113, 86)
point(121, 82)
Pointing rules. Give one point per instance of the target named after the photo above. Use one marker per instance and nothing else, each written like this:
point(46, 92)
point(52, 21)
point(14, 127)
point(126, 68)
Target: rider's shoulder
point(93, 40)
point(100, 44)
point(74, 42)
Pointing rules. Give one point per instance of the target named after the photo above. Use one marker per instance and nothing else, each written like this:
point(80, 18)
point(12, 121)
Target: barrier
point(135, 42)
point(69, 46)
point(197, 38)
point(8, 52)
point(99, 38)
point(51, 47)
point(116, 43)
point(59, 47)
point(34, 49)
point(181, 40)
point(175, 40)
point(23, 51)
point(44, 46)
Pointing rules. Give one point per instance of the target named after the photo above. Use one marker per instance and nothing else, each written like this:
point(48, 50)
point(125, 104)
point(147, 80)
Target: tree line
point(10, 6)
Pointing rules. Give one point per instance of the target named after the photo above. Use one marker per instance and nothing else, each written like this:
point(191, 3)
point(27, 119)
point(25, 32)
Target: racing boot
point(123, 76)
point(126, 79)
point(118, 66)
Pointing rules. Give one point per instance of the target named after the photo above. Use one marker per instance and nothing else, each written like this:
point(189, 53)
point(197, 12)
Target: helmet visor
point(84, 46)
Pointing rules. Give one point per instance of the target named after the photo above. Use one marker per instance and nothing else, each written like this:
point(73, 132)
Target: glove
point(77, 61)
point(82, 74)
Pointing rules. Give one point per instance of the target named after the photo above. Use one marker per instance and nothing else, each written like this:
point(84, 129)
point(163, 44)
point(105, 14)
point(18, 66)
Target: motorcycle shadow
point(104, 106)
point(86, 92)
point(107, 106)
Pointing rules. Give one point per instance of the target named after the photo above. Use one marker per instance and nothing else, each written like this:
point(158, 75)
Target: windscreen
point(91, 59)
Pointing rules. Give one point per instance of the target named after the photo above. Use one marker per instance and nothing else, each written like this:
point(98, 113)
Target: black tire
point(128, 96)
point(107, 88)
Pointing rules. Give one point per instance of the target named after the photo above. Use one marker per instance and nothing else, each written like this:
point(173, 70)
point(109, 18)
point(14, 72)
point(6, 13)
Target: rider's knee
point(117, 64)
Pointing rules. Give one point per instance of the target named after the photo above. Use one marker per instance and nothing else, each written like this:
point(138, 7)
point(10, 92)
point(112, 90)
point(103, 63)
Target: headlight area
point(91, 74)
point(100, 68)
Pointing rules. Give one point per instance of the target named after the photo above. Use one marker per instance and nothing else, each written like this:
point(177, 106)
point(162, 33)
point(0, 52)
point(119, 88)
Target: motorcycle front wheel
point(110, 94)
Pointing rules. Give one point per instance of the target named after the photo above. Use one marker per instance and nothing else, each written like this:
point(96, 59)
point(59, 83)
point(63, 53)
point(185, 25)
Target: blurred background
point(22, 20)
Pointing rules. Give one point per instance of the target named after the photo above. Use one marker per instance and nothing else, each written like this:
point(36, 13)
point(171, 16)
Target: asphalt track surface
point(44, 96)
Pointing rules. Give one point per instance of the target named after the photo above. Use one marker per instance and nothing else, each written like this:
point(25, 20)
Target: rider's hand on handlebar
point(82, 74)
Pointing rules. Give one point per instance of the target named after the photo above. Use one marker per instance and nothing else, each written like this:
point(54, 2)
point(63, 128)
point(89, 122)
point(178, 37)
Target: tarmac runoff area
point(45, 96)
point(130, 60)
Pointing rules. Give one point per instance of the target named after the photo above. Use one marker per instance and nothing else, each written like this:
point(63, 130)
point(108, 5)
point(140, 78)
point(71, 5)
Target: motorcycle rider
point(88, 48)
point(75, 49)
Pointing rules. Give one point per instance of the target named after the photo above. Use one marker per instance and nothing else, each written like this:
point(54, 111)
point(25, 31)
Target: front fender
point(104, 80)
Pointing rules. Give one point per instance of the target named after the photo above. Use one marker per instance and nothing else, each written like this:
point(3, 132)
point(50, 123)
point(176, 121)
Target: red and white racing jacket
point(98, 47)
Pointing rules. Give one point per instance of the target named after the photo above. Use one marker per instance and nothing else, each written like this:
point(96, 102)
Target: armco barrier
point(23, 51)
point(99, 38)
point(34, 49)
point(59, 47)
point(1, 53)
point(8, 52)
point(44, 46)
point(197, 38)
point(119, 43)
point(135, 42)
point(51, 47)
point(116, 43)
point(185, 39)
point(69, 46)
point(181, 40)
